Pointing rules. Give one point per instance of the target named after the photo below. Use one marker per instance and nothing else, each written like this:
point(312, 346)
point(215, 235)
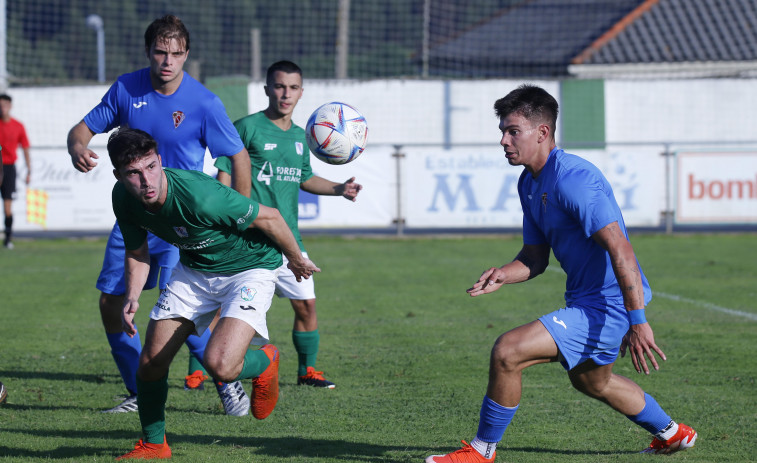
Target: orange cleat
point(467, 454)
point(315, 379)
point(682, 440)
point(265, 388)
point(146, 451)
point(195, 381)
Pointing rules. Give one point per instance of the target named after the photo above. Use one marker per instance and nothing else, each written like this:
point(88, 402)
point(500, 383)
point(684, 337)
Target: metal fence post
point(399, 220)
point(668, 213)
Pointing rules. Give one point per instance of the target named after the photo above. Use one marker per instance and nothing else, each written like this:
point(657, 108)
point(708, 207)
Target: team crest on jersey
point(178, 118)
point(181, 231)
point(248, 294)
point(298, 146)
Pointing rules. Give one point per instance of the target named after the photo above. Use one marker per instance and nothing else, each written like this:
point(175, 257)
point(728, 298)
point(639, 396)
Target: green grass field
point(408, 350)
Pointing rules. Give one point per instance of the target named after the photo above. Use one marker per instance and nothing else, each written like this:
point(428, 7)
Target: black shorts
point(8, 188)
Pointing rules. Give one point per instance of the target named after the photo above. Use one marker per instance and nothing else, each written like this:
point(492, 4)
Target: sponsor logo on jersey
point(194, 246)
point(178, 118)
point(248, 294)
point(266, 172)
point(140, 104)
point(246, 307)
point(269, 146)
point(243, 219)
point(181, 231)
point(298, 146)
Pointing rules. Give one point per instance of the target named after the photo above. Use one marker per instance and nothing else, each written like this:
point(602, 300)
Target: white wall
point(416, 114)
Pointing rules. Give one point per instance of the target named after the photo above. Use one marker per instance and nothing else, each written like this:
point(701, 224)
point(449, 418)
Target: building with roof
point(606, 38)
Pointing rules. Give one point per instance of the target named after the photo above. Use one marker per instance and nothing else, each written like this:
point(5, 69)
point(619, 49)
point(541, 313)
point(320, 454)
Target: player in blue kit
point(569, 208)
point(186, 119)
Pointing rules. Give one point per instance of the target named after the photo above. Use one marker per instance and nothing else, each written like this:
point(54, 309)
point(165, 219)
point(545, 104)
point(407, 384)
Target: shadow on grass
point(57, 376)
point(285, 447)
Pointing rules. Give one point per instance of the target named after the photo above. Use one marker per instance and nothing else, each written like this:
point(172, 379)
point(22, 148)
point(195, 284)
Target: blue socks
point(197, 344)
point(125, 351)
point(493, 420)
point(652, 417)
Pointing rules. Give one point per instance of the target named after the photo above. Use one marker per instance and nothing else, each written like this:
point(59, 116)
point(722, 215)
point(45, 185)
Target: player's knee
point(504, 355)
point(110, 312)
point(220, 368)
point(151, 368)
point(304, 309)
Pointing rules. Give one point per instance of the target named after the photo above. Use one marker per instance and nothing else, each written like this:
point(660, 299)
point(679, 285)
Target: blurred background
point(659, 94)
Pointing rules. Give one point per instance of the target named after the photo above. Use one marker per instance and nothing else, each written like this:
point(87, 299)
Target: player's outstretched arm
point(136, 269)
point(270, 222)
point(82, 157)
point(531, 261)
point(320, 186)
point(640, 339)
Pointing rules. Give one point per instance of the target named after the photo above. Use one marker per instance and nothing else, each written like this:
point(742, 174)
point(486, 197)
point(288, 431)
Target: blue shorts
point(163, 258)
point(587, 333)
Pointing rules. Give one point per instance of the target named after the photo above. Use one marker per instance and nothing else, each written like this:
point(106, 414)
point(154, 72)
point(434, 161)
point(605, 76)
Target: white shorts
point(288, 287)
point(197, 296)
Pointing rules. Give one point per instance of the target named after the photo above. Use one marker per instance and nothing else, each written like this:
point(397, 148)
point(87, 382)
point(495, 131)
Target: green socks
point(151, 400)
point(255, 363)
point(306, 344)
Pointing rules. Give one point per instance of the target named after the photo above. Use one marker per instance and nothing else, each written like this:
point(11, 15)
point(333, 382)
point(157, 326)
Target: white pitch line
point(706, 305)
point(674, 297)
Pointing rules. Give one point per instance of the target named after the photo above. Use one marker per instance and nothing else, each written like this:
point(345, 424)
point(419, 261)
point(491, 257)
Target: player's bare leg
point(125, 350)
point(514, 351)
point(229, 358)
point(110, 312)
point(162, 341)
point(626, 397)
point(305, 317)
point(599, 382)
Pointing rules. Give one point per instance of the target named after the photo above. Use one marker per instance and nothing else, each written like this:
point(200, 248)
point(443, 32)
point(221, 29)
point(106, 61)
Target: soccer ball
point(336, 133)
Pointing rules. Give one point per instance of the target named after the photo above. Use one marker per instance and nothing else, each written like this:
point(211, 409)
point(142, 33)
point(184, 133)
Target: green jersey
point(280, 164)
point(206, 220)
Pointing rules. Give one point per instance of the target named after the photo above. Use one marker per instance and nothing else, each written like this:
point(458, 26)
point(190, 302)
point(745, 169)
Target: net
point(56, 41)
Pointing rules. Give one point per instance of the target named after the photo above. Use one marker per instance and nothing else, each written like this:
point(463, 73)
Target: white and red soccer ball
point(336, 133)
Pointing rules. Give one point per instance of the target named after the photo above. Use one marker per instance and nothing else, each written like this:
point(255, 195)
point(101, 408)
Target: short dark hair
point(127, 145)
point(166, 28)
point(283, 66)
point(531, 102)
point(6, 97)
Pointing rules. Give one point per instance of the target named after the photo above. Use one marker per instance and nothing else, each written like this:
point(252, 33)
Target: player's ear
point(116, 174)
point(543, 132)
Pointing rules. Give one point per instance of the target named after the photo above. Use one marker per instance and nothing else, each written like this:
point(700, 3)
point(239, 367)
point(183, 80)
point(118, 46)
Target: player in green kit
point(280, 168)
point(230, 251)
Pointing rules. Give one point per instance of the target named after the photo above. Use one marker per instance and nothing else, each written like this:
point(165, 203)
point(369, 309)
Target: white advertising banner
point(716, 187)
point(476, 187)
point(60, 197)
point(376, 204)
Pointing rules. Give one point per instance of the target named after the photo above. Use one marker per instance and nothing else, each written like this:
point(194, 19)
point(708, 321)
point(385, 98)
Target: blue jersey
point(564, 206)
point(184, 123)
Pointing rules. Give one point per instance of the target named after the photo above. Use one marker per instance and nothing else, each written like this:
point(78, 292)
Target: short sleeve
point(221, 137)
point(583, 195)
point(104, 117)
